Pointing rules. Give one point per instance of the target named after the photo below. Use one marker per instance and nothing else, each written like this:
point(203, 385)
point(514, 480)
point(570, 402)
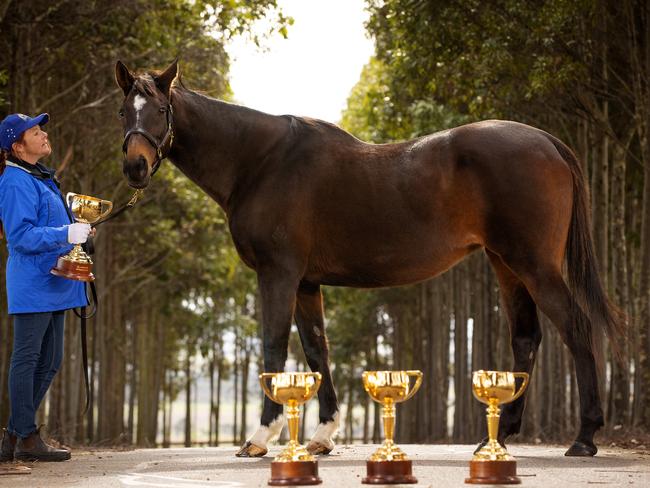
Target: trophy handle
point(109, 206)
point(318, 378)
point(364, 379)
point(525, 377)
point(69, 197)
point(418, 382)
point(265, 387)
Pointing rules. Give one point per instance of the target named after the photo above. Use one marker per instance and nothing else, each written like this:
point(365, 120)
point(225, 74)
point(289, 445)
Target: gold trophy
point(492, 464)
point(294, 465)
point(388, 464)
point(77, 265)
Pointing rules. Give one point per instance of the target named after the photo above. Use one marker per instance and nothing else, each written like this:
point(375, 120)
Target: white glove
point(78, 233)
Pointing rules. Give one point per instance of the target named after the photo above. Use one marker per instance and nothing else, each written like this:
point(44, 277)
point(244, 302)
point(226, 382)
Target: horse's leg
point(309, 318)
point(553, 297)
point(278, 297)
point(525, 337)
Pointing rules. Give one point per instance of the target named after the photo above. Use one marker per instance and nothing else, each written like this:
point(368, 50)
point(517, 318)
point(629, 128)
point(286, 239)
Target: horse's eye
point(162, 110)
point(121, 113)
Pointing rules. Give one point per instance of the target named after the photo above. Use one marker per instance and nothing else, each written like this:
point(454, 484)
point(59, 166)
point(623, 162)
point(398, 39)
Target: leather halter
point(158, 146)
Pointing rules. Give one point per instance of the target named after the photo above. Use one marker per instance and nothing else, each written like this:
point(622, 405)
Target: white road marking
point(161, 481)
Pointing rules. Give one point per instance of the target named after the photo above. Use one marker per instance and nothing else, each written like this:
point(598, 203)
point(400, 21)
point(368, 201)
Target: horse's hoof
point(251, 450)
point(582, 449)
point(316, 448)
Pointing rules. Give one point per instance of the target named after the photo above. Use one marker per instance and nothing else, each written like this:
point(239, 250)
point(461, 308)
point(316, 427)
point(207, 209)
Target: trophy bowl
point(290, 387)
point(492, 464)
point(77, 265)
point(294, 465)
point(498, 386)
point(388, 464)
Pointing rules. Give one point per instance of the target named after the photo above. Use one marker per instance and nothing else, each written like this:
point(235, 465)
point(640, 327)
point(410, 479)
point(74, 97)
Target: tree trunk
point(619, 398)
point(218, 406)
point(236, 388)
point(244, 387)
point(639, 49)
point(133, 384)
point(113, 353)
point(211, 410)
point(188, 400)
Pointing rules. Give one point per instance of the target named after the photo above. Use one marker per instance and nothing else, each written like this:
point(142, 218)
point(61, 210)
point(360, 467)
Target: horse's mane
point(311, 124)
point(297, 123)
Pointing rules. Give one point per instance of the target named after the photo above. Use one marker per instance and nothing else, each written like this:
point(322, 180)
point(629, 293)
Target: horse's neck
point(218, 145)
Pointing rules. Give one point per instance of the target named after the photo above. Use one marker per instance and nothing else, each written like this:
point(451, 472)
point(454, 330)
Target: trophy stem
point(388, 416)
point(493, 415)
point(293, 419)
point(77, 250)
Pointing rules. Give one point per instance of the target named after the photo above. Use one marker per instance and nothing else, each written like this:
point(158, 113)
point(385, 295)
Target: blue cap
point(13, 126)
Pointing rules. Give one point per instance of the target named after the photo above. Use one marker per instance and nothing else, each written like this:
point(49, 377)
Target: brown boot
point(7, 447)
point(33, 448)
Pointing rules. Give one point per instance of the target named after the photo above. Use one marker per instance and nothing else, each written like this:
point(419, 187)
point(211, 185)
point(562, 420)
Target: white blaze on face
point(138, 102)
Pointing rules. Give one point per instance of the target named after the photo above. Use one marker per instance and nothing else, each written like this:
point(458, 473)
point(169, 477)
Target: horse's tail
point(582, 269)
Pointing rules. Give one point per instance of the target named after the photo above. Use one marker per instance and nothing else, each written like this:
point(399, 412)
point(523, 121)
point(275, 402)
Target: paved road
point(436, 466)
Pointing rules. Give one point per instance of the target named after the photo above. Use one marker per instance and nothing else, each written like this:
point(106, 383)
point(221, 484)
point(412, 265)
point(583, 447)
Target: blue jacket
point(35, 220)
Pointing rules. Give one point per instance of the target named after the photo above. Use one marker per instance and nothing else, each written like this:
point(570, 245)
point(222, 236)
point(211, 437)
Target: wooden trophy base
point(493, 473)
point(389, 473)
point(65, 268)
point(294, 473)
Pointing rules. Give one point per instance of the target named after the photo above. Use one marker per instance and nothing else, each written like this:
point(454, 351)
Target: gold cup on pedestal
point(388, 464)
point(77, 265)
point(294, 465)
point(492, 464)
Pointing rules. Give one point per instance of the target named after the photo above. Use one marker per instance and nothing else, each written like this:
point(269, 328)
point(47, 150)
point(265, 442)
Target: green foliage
point(172, 253)
point(577, 69)
point(371, 113)
point(235, 17)
point(480, 59)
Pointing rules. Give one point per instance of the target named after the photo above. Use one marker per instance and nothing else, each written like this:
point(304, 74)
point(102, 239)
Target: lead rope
point(90, 249)
point(134, 199)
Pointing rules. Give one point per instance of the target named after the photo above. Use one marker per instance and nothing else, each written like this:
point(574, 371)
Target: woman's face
point(34, 145)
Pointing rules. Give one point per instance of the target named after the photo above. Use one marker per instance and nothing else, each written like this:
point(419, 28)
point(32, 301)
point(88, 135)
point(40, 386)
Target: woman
point(38, 228)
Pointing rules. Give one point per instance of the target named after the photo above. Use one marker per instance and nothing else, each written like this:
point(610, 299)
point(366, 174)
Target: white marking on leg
point(325, 432)
point(264, 434)
point(138, 102)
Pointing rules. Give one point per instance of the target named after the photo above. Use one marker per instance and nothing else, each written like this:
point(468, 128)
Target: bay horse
point(308, 205)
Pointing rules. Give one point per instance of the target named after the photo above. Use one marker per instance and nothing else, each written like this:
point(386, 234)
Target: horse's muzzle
point(137, 172)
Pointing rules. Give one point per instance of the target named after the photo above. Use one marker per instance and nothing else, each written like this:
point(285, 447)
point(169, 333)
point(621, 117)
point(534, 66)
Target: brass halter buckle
point(136, 196)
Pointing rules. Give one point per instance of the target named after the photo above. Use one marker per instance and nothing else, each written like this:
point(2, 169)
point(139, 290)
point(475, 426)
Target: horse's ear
point(165, 79)
point(124, 77)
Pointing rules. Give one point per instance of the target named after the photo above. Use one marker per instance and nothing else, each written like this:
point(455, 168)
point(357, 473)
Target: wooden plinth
point(294, 473)
point(72, 270)
point(493, 473)
point(389, 473)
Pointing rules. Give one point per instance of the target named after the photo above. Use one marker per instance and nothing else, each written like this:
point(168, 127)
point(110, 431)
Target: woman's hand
point(78, 233)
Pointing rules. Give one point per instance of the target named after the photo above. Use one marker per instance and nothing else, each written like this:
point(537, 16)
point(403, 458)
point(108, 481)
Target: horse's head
point(146, 115)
